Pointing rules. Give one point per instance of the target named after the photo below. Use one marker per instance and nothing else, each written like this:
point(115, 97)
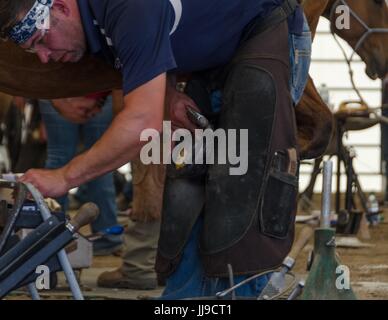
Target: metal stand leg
point(339, 159)
point(354, 182)
point(62, 257)
point(33, 291)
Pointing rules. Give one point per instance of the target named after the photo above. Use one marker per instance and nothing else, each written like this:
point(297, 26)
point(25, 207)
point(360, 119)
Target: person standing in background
point(63, 137)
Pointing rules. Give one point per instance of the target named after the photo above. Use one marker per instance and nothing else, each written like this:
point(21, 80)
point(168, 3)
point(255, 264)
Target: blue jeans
point(189, 279)
point(300, 59)
point(63, 138)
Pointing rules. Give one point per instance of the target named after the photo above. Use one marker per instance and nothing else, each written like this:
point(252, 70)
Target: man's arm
point(143, 109)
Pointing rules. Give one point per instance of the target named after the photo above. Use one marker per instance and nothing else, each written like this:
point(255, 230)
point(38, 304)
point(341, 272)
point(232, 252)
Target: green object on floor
point(328, 279)
point(323, 282)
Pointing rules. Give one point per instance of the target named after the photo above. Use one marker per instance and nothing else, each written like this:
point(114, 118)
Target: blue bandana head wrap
point(36, 18)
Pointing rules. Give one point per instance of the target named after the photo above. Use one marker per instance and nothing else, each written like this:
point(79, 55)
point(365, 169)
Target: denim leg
point(189, 279)
point(101, 191)
point(300, 58)
point(62, 140)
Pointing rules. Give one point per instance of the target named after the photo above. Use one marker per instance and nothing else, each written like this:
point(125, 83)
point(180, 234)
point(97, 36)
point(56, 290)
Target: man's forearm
point(121, 142)
point(119, 145)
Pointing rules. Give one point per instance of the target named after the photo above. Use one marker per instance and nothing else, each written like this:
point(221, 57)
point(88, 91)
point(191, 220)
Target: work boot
point(118, 279)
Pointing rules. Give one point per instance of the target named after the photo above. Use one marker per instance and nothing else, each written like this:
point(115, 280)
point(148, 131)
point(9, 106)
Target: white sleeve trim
point(177, 5)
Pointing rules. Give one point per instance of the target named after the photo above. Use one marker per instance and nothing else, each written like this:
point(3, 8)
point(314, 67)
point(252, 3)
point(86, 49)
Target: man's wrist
point(71, 176)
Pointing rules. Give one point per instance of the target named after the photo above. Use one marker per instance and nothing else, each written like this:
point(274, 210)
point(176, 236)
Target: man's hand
point(50, 183)
point(177, 104)
point(77, 110)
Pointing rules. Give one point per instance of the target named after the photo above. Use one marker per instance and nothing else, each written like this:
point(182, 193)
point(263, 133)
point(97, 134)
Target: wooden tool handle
point(304, 237)
point(86, 214)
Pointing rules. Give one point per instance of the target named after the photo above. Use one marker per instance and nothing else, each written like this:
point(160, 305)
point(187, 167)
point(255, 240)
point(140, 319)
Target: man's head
point(50, 28)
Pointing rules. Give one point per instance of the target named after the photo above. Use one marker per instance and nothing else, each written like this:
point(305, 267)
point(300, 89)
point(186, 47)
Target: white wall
point(329, 67)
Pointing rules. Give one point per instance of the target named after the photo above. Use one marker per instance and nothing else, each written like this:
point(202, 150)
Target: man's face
point(64, 40)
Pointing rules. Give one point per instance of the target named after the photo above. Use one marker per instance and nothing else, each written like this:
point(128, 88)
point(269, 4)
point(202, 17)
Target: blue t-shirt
point(145, 38)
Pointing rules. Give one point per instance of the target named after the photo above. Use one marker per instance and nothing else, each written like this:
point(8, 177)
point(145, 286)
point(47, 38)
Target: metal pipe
point(326, 194)
point(33, 291)
point(297, 291)
point(339, 158)
point(231, 280)
point(349, 183)
point(62, 257)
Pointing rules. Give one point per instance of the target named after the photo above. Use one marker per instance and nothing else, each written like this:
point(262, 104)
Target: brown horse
point(366, 35)
point(368, 19)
